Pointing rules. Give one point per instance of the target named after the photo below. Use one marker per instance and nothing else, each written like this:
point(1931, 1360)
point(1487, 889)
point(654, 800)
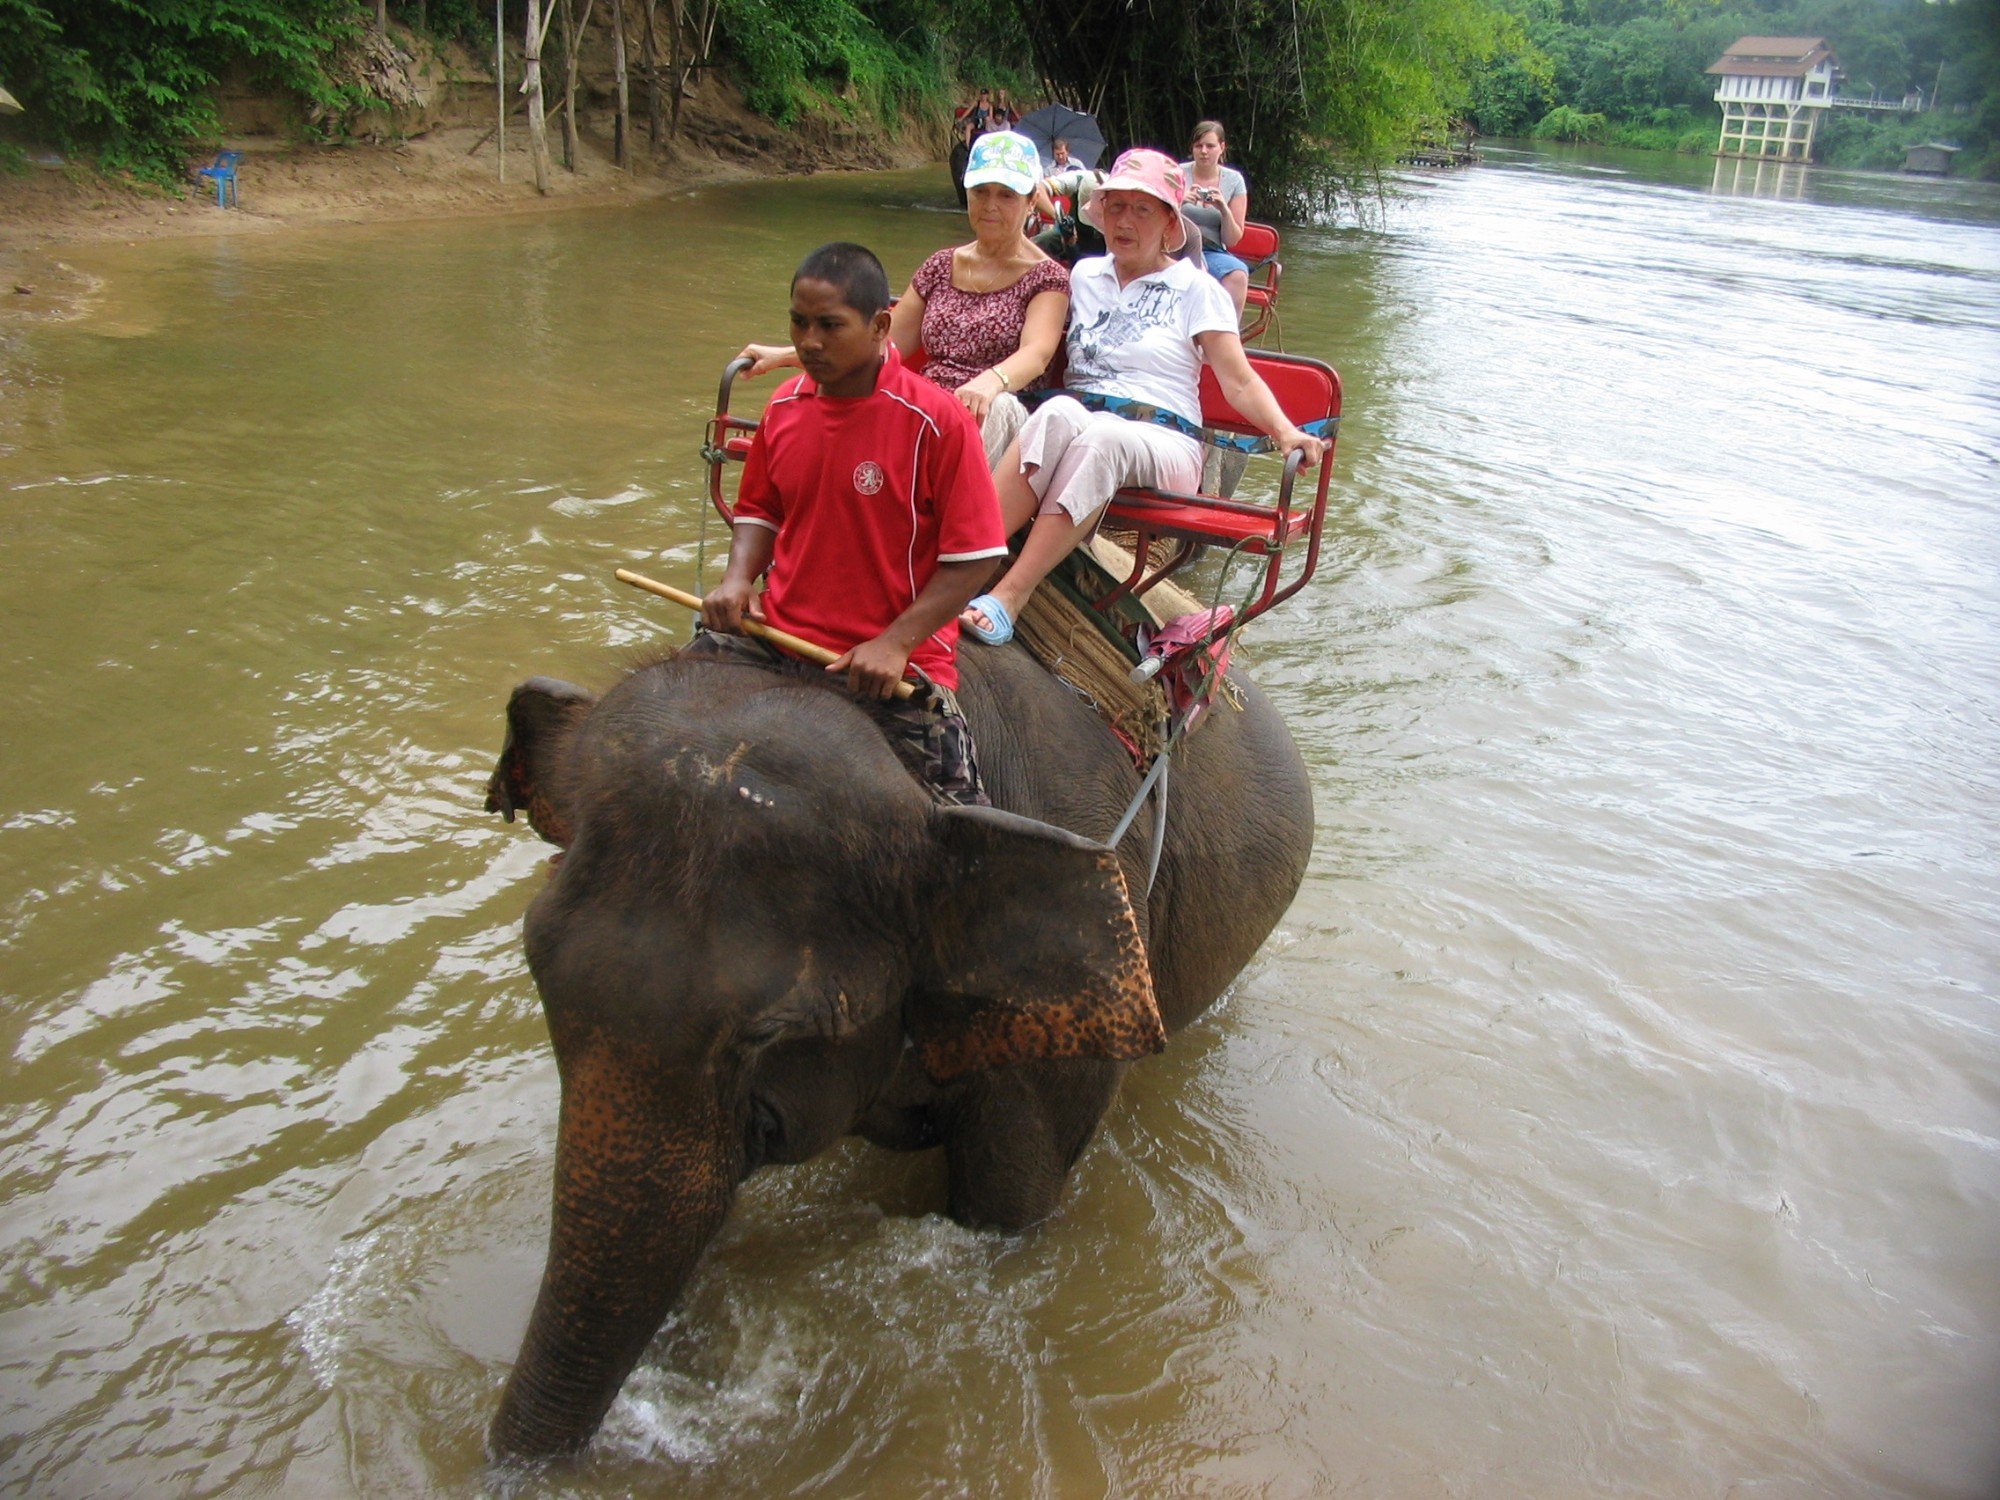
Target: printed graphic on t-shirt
point(1154, 305)
point(868, 477)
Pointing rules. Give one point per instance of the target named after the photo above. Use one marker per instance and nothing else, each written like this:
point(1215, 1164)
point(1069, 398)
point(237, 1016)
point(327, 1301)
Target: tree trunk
point(621, 129)
point(531, 85)
point(680, 73)
point(655, 121)
point(568, 13)
point(381, 15)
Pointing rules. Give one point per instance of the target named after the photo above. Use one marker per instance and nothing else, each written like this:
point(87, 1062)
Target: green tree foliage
point(132, 80)
point(1642, 64)
point(883, 57)
point(1514, 91)
point(1294, 81)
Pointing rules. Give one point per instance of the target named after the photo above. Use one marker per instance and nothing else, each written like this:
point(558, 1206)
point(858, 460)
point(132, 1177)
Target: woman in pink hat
point(1142, 324)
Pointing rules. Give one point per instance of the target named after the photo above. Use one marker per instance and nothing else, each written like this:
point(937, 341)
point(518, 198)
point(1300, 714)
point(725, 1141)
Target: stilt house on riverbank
point(1772, 90)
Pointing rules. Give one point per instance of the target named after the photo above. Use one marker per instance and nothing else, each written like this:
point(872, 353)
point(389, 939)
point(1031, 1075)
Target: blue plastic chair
point(223, 170)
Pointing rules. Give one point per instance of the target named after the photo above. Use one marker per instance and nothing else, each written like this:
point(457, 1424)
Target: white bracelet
point(1005, 383)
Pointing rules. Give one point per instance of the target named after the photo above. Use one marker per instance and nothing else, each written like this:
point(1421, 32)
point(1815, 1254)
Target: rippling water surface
point(1617, 1111)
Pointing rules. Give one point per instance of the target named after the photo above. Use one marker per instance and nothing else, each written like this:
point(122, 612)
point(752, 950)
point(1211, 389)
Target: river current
point(1617, 1111)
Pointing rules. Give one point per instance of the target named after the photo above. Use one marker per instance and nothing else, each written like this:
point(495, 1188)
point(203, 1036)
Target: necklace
point(992, 280)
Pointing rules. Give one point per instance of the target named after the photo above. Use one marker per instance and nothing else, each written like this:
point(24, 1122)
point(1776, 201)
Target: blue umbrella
point(1054, 122)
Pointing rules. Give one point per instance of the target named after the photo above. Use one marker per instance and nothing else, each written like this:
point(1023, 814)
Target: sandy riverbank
point(446, 173)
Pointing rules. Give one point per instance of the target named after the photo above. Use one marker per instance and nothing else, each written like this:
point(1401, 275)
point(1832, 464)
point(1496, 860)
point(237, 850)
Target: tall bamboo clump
point(1312, 92)
point(1148, 79)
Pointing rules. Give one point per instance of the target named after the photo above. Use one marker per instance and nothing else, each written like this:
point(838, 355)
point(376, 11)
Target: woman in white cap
point(1143, 323)
point(989, 315)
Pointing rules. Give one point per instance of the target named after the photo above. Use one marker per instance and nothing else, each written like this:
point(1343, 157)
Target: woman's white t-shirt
point(1137, 341)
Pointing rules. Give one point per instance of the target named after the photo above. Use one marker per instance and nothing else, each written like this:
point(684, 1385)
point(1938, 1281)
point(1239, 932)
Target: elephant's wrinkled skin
point(764, 935)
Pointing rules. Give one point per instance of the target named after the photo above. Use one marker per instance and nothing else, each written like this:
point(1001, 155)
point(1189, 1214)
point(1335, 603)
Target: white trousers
point(1001, 426)
point(1076, 459)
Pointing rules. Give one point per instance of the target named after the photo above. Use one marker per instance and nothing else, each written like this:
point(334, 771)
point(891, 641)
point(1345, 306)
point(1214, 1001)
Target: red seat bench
point(1257, 248)
point(1309, 391)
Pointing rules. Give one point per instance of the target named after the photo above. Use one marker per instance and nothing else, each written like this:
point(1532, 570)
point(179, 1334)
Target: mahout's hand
point(873, 668)
point(728, 604)
point(765, 358)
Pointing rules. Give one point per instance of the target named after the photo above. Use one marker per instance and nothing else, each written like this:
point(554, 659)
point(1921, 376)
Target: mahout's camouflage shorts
point(927, 731)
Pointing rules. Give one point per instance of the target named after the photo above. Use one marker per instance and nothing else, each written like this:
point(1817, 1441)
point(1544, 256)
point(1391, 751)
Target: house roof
point(1772, 57)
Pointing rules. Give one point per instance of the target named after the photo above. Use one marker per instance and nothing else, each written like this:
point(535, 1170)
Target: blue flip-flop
point(1002, 630)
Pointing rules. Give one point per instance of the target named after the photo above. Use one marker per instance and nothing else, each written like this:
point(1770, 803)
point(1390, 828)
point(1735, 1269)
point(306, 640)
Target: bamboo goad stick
point(771, 633)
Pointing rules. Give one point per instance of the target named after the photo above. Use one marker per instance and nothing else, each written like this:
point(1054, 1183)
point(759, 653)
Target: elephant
point(763, 933)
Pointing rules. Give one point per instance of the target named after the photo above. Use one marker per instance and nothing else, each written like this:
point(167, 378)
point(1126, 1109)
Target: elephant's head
point(758, 920)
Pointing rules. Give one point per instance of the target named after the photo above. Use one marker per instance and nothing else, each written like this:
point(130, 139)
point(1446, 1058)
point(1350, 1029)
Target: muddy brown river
point(1616, 1112)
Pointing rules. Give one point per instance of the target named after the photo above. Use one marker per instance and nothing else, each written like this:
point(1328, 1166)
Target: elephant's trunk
point(644, 1177)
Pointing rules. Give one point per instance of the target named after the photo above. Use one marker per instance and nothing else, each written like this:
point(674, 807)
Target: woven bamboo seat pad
point(1067, 638)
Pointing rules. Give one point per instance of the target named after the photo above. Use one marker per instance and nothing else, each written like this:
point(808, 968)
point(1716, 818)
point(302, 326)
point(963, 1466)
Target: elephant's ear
point(542, 715)
point(1034, 951)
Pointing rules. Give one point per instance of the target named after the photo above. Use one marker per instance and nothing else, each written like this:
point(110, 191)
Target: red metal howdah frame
point(1307, 389)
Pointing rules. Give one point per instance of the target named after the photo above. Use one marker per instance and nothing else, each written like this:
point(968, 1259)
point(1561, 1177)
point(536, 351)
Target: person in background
point(1058, 158)
point(1218, 201)
point(979, 116)
point(1071, 237)
point(961, 152)
point(1143, 326)
point(988, 315)
point(1068, 238)
point(968, 123)
point(1005, 116)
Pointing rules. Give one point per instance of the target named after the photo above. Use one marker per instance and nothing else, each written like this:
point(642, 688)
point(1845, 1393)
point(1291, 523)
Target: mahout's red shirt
point(868, 494)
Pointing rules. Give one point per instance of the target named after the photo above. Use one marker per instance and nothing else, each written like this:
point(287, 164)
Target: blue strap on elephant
point(1142, 411)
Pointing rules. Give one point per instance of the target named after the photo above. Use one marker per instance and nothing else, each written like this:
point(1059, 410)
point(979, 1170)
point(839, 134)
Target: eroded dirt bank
point(450, 171)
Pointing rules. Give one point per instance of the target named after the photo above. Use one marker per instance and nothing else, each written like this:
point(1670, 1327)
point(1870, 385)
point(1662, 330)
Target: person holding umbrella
point(1078, 131)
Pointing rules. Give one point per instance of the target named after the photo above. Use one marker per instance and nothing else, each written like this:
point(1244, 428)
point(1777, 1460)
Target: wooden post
point(500, 80)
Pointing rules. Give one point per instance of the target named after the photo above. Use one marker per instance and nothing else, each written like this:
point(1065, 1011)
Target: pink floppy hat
point(1144, 171)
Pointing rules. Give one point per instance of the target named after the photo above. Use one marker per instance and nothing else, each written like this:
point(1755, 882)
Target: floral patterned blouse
point(966, 332)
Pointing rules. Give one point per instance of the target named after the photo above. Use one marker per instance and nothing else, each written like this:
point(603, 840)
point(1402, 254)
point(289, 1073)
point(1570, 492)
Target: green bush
point(1566, 124)
point(1669, 128)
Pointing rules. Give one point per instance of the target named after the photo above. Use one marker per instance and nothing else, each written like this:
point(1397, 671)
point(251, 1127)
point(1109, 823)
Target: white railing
point(1909, 104)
